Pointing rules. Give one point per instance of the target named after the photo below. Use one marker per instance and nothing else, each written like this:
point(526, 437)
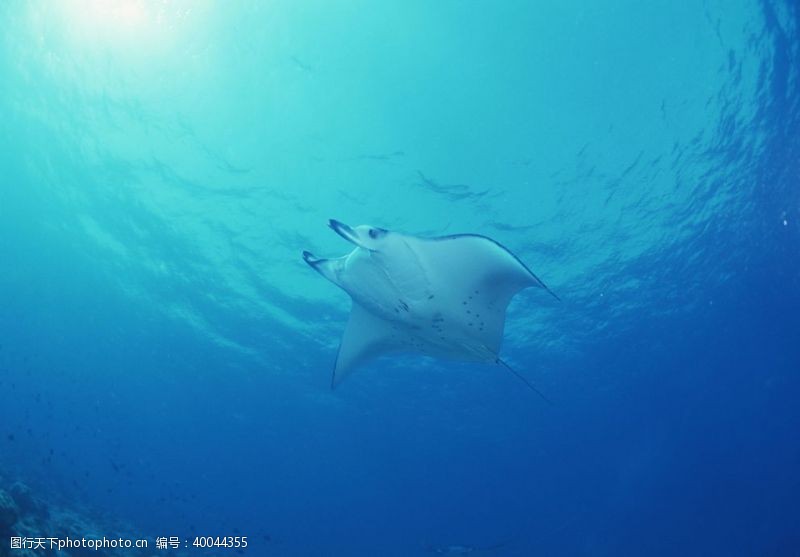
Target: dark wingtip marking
point(501, 246)
point(553, 294)
point(540, 281)
point(333, 371)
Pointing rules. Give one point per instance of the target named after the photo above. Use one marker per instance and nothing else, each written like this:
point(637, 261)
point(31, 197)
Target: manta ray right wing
point(474, 279)
point(366, 337)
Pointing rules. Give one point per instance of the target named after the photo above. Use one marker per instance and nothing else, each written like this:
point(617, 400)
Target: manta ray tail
point(522, 378)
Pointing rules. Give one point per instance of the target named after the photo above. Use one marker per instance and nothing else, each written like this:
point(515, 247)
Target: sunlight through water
point(135, 27)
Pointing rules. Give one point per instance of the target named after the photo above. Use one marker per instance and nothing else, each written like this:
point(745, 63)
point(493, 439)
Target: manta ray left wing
point(366, 337)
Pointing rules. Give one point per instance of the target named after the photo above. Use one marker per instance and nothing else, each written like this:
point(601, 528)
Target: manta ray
point(444, 297)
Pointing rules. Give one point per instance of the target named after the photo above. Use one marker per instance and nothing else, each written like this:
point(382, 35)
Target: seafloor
point(27, 514)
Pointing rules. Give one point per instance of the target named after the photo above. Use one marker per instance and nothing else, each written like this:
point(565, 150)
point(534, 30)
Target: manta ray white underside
point(445, 297)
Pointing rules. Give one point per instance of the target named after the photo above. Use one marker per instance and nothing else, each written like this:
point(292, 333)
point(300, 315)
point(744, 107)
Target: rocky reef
point(9, 514)
point(23, 514)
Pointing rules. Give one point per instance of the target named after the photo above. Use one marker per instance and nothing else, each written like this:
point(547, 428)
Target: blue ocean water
point(165, 353)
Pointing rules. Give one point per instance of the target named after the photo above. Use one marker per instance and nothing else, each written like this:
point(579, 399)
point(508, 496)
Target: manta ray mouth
point(344, 231)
